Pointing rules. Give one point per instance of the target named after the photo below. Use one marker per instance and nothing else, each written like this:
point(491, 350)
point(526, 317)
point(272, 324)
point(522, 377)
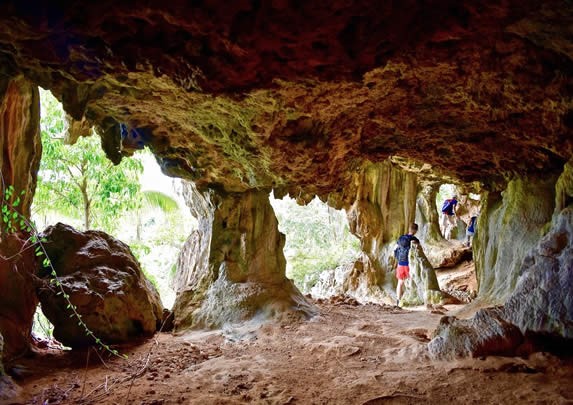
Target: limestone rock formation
point(427, 215)
point(510, 225)
point(538, 314)
point(422, 286)
point(18, 300)
point(542, 302)
point(304, 97)
point(104, 280)
point(20, 150)
point(8, 390)
point(244, 276)
point(239, 84)
point(20, 145)
point(194, 256)
point(487, 333)
point(383, 208)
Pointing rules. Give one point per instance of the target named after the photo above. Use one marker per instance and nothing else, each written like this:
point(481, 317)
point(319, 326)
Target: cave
point(371, 107)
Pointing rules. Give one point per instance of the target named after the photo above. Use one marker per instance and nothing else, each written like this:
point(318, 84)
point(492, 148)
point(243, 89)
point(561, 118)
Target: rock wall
point(194, 255)
point(20, 144)
point(509, 226)
point(8, 390)
point(18, 299)
point(245, 273)
point(422, 286)
point(427, 215)
point(20, 151)
point(383, 208)
point(538, 313)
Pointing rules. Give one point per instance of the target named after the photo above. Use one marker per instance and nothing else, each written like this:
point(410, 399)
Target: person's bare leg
point(399, 291)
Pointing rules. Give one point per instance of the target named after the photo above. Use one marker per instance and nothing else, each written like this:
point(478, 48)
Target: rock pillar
point(20, 152)
point(20, 143)
point(236, 271)
point(384, 205)
point(427, 215)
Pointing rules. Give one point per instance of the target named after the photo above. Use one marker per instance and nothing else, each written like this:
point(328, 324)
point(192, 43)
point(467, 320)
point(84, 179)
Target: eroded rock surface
point(244, 276)
point(486, 333)
point(105, 283)
point(8, 390)
point(422, 286)
point(510, 225)
point(20, 144)
point(542, 302)
point(220, 91)
point(18, 299)
point(538, 312)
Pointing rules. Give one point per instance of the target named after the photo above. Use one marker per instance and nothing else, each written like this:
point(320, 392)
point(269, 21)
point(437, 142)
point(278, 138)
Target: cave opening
point(474, 99)
point(134, 202)
point(318, 240)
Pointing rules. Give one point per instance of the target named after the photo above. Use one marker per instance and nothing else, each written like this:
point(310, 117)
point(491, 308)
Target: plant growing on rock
point(14, 222)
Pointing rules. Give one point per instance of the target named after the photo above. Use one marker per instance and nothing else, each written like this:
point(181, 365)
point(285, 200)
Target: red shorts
point(402, 272)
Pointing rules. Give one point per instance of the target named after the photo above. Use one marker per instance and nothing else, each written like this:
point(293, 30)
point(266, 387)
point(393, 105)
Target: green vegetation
point(78, 180)
point(317, 239)
point(78, 185)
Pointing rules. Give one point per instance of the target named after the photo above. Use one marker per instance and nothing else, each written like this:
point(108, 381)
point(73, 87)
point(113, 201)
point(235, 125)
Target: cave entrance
point(453, 257)
point(318, 239)
point(133, 201)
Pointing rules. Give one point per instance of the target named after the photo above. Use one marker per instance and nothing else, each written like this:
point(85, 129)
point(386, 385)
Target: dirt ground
point(348, 354)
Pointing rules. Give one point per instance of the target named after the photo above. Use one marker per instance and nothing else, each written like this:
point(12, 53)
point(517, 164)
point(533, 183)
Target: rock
point(538, 315)
point(18, 299)
point(105, 283)
point(427, 217)
point(446, 254)
point(422, 286)
point(256, 97)
point(510, 225)
point(240, 276)
point(542, 302)
point(486, 333)
point(9, 391)
point(350, 281)
point(20, 143)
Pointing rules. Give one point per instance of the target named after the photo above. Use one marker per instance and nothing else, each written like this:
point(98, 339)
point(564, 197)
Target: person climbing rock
point(449, 218)
point(470, 231)
point(401, 254)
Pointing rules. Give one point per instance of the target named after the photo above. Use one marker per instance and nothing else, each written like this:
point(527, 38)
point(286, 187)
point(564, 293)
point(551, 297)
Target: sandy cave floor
point(347, 355)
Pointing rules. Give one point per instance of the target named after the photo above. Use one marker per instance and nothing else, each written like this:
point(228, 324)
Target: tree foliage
point(78, 180)
point(317, 239)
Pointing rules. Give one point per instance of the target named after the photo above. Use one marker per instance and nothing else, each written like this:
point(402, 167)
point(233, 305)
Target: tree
point(78, 180)
point(154, 200)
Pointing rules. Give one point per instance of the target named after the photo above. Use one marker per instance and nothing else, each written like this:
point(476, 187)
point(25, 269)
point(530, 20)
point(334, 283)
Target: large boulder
point(104, 281)
point(18, 300)
point(487, 333)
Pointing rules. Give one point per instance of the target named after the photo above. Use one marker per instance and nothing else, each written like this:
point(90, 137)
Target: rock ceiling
point(297, 95)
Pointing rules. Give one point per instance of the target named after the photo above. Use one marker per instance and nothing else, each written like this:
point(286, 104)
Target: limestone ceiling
point(298, 95)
